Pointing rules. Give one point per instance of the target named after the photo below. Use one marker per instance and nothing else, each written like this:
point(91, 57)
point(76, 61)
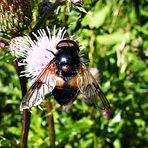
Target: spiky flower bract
point(15, 16)
point(37, 53)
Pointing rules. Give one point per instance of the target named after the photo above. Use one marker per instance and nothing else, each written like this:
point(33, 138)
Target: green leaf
point(74, 128)
point(114, 38)
point(95, 19)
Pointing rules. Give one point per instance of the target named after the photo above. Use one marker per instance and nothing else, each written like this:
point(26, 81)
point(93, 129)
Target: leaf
point(95, 19)
point(114, 38)
point(6, 58)
point(74, 128)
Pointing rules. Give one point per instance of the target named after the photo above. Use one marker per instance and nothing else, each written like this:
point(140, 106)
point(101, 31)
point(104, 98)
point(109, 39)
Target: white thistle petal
point(36, 53)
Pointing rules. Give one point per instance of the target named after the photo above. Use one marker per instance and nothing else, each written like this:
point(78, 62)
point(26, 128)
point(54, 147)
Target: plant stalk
point(26, 114)
point(50, 119)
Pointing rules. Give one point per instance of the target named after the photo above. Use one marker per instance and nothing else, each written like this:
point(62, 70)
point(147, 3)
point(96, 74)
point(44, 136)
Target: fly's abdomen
point(65, 95)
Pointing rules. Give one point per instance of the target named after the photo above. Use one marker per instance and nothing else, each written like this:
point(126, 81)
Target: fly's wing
point(44, 83)
point(90, 89)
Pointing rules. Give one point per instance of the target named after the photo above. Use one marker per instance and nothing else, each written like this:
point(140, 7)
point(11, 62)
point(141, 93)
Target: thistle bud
point(15, 16)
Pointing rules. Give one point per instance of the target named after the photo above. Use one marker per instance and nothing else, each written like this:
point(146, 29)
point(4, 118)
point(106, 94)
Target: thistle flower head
point(36, 54)
point(15, 16)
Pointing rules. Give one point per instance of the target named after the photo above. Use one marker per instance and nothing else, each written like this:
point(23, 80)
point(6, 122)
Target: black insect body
point(65, 95)
point(67, 62)
point(66, 76)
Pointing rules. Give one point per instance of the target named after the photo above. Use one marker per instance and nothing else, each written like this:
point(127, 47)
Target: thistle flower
point(15, 16)
point(35, 54)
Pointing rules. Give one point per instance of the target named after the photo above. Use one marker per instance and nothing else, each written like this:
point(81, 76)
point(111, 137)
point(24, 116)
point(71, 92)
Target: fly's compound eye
point(67, 43)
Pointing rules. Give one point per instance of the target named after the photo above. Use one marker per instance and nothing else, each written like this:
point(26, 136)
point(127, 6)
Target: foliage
point(114, 34)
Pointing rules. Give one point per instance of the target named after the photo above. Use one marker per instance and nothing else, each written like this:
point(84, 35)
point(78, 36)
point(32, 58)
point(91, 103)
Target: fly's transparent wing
point(44, 83)
point(90, 89)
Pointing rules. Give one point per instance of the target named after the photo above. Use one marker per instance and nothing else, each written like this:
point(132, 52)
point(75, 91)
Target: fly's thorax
point(67, 61)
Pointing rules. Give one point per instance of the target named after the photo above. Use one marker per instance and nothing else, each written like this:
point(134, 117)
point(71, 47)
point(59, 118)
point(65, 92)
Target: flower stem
point(49, 106)
point(26, 114)
point(25, 128)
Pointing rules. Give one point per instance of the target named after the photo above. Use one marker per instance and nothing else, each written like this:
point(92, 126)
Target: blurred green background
point(114, 35)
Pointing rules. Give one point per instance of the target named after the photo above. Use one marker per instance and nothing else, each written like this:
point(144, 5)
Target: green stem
point(49, 106)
